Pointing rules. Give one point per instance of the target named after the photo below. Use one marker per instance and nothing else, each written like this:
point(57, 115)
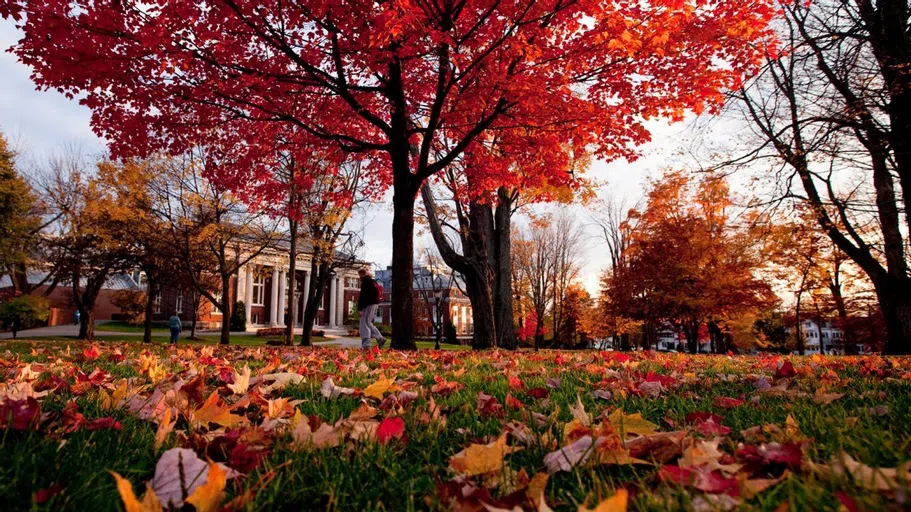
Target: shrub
point(239, 317)
point(24, 312)
point(132, 304)
point(318, 332)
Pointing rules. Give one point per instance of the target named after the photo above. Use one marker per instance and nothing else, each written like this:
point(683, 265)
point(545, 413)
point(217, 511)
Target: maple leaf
point(279, 381)
point(868, 477)
point(616, 503)
point(179, 473)
point(329, 390)
point(389, 429)
point(212, 412)
point(578, 411)
point(379, 388)
point(165, 427)
point(92, 353)
point(479, 459)
point(149, 503)
point(241, 381)
point(208, 497)
point(363, 412)
point(631, 423)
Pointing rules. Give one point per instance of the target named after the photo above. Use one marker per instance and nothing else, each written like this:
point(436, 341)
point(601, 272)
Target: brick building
point(430, 286)
point(262, 284)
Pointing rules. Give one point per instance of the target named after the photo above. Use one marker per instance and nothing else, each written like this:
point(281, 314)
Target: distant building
point(427, 284)
point(60, 298)
point(262, 284)
point(826, 338)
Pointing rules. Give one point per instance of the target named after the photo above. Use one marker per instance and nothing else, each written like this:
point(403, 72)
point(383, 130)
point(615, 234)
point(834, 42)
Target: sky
point(39, 123)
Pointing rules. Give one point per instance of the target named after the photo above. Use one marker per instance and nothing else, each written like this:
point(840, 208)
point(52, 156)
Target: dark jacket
point(369, 294)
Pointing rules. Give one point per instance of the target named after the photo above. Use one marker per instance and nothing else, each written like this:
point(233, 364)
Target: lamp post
point(438, 297)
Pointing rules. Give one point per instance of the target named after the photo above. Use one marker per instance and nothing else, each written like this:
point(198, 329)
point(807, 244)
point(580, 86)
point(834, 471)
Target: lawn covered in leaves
point(144, 427)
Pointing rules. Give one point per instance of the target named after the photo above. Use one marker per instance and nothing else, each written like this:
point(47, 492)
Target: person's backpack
point(379, 290)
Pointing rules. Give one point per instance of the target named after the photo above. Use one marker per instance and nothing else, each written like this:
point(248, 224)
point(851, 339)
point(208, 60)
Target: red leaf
point(728, 403)
point(538, 392)
point(785, 371)
point(20, 414)
point(389, 429)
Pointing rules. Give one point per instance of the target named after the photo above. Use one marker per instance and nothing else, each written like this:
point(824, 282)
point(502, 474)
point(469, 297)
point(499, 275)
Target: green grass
point(406, 475)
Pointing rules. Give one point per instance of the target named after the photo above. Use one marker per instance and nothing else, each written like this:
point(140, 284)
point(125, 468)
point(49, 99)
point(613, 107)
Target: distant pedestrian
point(176, 326)
point(76, 317)
point(14, 325)
point(367, 303)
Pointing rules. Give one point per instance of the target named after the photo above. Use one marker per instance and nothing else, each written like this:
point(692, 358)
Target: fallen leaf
point(379, 388)
point(578, 411)
point(389, 429)
point(178, 473)
point(616, 503)
point(329, 390)
point(241, 381)
point(479, 459)
point(213, 412)
point(631, 423)
point(149, 503)
point(165, 427)
point(209, 496)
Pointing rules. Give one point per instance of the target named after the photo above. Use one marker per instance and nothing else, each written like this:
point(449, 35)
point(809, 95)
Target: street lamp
point(438, 296)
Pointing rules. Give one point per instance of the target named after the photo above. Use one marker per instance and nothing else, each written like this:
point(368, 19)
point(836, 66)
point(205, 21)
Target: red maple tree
point(414, 83)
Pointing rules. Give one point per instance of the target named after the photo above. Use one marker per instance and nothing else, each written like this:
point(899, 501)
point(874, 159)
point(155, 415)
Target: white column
point(333, 291)
point(248, 292)
point(306, 291)
point(282, 294)
point(273, 313)
point(340, 287)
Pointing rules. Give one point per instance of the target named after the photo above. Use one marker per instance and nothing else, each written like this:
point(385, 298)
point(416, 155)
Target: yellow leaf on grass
point(149, 502)
point(212, 412)
point(792, 429)
point(616, 503)
point(378, 388)
point(631, 423)
point(208, 497)
point(164, 428)
point(241, 381)
point(479, 459)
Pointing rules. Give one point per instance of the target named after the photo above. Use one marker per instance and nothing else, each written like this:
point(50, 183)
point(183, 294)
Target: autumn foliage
point(690, 263)
point(414, 86)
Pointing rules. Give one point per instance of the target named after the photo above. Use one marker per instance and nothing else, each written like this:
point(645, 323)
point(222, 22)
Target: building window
point(179, 305)
point(259, 290)
point(156, 304)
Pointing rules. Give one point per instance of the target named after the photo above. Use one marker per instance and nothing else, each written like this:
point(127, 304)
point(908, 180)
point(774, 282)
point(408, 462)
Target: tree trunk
point(402, 271)
point(87, 326)
point(797, 329)
point(226, 310)
point(150, 300)
point(196, 298)
point(319, 274)
point(292, 288)
point(539, 328)
point(503, 293)
point(482, 313)
point(895, 303)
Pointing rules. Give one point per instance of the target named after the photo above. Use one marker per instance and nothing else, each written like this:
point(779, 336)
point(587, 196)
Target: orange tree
point(415, 84)
point(689, 263)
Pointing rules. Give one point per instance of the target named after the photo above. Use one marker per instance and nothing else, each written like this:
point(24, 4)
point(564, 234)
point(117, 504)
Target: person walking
point(367, 303)
point(76, 317)
point(176, 326)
